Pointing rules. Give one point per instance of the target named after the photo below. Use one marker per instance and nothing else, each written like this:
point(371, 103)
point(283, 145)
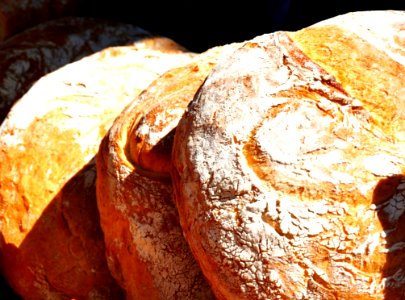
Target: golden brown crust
point(52, 245)
point(382, 96)
point(289, 168)
point(16, 16)
point(151, 136)
point(145, 246)
point(35, 52)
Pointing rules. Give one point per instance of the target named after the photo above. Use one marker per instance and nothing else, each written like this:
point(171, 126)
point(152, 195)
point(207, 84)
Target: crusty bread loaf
point(18, 15)
point(289, 165)
point(51, 243)
point(146, 250)
point(35, 52)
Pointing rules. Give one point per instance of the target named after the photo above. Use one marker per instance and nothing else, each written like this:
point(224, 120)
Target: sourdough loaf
point(51, 243)
point(42, 49)
point(146, 250)
point(289, 165)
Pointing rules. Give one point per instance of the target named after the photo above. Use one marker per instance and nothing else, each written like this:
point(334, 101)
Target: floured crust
point(51, 242)
point(16, 16)
point(289, 166)
point(28, 56)
point(145, 246)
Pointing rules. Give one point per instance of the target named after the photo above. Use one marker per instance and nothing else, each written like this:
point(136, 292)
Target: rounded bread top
point(288, 165)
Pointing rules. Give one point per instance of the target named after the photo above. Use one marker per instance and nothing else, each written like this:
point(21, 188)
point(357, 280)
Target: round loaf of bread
point(146, 250)
point(51, 242)
point(28, 56)
point(289, 165)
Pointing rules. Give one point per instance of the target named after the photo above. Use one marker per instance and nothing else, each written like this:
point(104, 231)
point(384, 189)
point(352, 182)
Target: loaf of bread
point(35, 52)
point(51, 243)
point(18, 15)
point(146, 250)
point(289, 166)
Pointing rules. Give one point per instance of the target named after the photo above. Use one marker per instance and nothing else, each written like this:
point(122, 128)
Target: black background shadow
point(383, 197)
point(198, 25)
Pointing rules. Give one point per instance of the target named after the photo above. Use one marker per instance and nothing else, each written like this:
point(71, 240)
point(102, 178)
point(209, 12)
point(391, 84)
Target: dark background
point(199, 25)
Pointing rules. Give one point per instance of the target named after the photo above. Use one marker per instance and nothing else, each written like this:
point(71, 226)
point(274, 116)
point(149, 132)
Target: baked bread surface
point(51, 244)
point(39, 50)
point(288, 166)
point(146, 250)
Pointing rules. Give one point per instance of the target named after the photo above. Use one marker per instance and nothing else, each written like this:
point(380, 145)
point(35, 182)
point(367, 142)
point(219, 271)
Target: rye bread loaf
point(37, 51)
point(289, 165)
point(146, 250)
point(51, 243)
